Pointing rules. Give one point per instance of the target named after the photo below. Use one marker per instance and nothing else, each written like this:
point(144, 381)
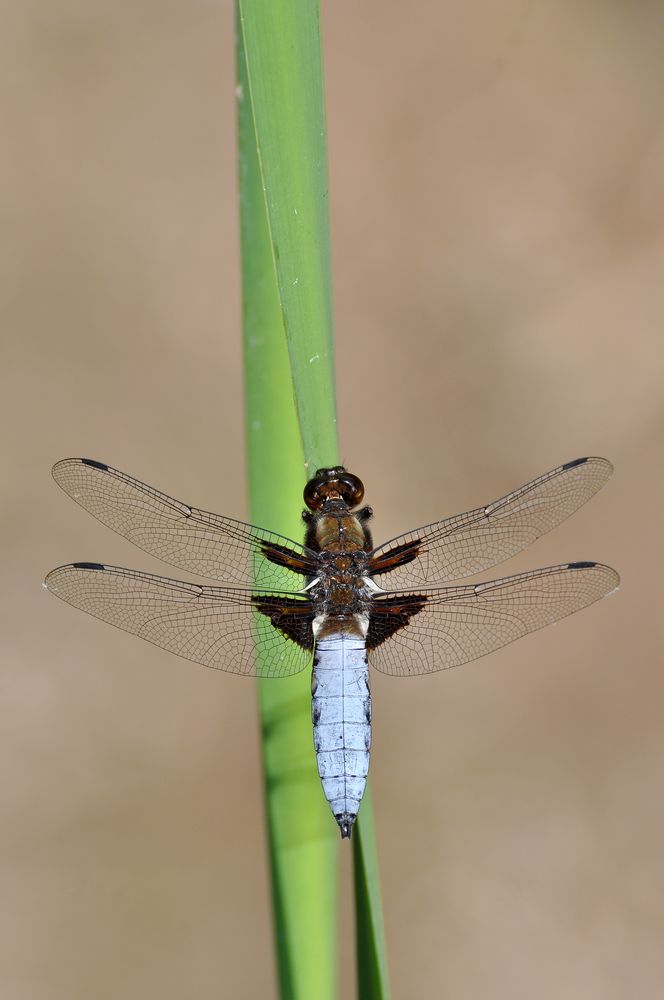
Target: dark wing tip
point(94, 464)
point(611, 576)
point(60, 470)
point(595, 459)
point(52, 578)
point(64, 463)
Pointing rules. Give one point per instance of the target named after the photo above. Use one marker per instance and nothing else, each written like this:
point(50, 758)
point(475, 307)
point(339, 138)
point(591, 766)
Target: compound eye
point(351, 489)
point(333, 484)
point(312, 493)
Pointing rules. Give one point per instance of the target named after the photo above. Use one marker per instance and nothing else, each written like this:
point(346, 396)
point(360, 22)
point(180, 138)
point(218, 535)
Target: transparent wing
point(470, 543)
point(444, 627)
point(217, 626)
point(200, 542)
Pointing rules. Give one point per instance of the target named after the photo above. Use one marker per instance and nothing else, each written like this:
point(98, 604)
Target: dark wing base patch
point(289, 616)
point(398, 555)
point(388, 615)
point(281, 555)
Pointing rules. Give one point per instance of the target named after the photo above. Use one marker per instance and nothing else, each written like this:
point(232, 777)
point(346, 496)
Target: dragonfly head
point(335, 484)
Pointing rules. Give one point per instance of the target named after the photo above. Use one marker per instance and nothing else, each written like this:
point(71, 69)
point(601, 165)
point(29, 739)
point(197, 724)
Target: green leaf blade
point(285, 81)
point(303, 846)
point(292, 426)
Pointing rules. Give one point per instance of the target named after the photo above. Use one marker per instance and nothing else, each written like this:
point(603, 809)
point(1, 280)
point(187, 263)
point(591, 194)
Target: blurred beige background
point(497, 198)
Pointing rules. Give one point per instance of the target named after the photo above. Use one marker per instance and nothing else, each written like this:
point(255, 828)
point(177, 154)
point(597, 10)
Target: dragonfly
point(334, 604)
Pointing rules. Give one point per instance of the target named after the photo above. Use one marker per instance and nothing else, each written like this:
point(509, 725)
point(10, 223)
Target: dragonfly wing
point(198, 541)
point(266, 634)
point(471, 543)
point(444, 627)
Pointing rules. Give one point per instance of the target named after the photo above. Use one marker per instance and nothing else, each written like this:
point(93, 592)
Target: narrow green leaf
point(302, 835)
point(372, 978)
point(287, 289)
point(285, 79)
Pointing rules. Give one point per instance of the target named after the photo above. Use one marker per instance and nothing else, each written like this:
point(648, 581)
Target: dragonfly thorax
point(338, 531)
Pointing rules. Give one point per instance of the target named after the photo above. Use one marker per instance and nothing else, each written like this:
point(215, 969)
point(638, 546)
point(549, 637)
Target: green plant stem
point(372, 977)
point(303, 848)
point(285, 79)
point(292, 427)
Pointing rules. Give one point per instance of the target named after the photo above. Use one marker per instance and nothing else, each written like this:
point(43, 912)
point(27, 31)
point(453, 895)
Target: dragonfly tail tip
point(345, 822)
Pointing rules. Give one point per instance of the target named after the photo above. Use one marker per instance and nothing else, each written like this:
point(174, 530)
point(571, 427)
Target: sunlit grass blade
point(372, 978)
point(285, 79)
point(302, 835)
point(287, 289)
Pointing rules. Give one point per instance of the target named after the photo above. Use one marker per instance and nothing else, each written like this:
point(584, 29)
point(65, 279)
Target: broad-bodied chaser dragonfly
point(336, 603)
